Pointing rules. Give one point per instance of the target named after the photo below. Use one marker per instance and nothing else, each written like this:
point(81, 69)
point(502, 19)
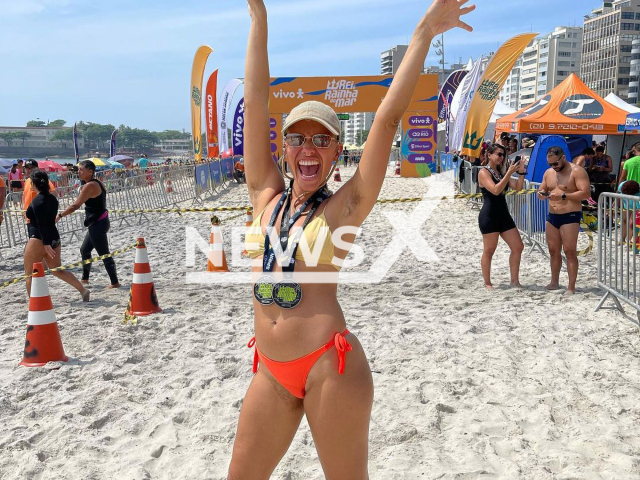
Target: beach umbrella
point(50, 166)
point(6, 162)
point(125, 160)
point(98, 162)
point(115, 164)
point(3, 170)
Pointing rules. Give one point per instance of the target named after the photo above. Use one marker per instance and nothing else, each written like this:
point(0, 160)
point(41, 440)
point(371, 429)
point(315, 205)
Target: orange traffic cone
point(336, 175)
point(248, 224)
point(398, 168)
point(43, 343)
point(143, 293)
point(217, 260)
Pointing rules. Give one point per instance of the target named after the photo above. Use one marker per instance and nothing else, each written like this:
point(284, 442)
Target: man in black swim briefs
point(565, 185)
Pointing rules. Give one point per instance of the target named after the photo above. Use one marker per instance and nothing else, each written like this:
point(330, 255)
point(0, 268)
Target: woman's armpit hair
point(354, 199)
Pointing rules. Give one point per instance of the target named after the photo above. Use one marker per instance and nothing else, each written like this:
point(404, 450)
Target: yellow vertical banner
point(486, 95)
point(197, 74)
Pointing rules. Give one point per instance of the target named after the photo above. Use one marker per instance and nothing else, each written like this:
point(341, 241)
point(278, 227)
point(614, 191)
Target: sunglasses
point(554, 164)
point(297, 140)
point(501, 155)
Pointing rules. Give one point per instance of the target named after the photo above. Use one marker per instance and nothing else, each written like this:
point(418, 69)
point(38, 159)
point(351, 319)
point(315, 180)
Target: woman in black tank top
point(495, 220)
point(44, 240)
point(94, 197)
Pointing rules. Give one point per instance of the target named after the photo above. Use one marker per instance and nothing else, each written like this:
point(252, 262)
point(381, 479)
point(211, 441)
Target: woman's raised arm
point(262, 174)
point(361, 192)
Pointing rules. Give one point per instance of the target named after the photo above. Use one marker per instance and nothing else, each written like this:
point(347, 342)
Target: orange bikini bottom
point(293, 375)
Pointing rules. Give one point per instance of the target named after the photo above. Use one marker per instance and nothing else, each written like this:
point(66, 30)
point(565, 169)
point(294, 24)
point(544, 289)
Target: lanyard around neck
point(289, 250)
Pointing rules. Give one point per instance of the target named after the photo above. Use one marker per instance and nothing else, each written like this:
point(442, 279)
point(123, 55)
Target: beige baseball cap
point(316, 111)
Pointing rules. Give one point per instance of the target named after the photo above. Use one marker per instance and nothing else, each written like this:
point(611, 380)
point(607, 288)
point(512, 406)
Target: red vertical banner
point(211, 114)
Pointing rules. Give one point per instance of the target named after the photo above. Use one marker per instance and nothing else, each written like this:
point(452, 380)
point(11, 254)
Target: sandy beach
point(469, 384)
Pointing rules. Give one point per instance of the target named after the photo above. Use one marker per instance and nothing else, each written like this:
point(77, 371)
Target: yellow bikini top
point(316, 228)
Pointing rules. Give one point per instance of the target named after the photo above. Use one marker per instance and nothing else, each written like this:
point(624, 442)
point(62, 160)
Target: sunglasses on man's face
point(297, 140)
point(554, 164)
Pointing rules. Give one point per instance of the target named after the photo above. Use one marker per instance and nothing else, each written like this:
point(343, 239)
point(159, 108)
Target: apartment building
point(607, 47)
point(390, 59)
point(543, 65)
point(354, 128)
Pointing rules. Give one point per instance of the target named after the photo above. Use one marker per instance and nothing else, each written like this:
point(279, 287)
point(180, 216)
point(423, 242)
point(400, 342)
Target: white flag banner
point(468, 90)
point(224, 105)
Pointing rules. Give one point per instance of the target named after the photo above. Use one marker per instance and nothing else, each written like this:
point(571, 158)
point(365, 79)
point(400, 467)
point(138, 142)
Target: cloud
point(13, 8)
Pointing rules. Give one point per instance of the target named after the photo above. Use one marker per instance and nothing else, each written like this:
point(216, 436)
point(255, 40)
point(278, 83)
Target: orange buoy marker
point(248, 224)
point(336, 175)
point(398, 168)
point(143, 293)
point(217, 260)
point(43, 343)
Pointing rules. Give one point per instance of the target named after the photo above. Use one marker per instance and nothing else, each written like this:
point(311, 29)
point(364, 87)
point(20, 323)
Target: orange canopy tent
point(569, 109)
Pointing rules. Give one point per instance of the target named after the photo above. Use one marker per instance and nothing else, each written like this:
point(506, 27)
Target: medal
point(287, 294)
point(263, 290)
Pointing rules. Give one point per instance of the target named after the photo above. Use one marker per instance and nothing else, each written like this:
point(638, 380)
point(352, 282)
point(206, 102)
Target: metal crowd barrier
point(155, 187)
point(466, 182)
point(537, 219)
point(618, 248)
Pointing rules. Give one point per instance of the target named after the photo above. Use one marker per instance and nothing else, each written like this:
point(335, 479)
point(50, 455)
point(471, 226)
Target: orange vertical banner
point(211, 114)
point(488, 90)
point(197, 72)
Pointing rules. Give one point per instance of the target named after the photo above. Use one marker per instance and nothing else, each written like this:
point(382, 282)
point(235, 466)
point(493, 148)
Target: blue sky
point(129, 61)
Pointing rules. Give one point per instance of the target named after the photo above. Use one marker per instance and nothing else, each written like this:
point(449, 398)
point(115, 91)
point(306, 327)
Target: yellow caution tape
point(71, 265)
point(129, 317)
point(244, 208)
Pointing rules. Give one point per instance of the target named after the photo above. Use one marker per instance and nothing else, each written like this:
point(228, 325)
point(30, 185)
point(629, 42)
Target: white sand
point(514, 384)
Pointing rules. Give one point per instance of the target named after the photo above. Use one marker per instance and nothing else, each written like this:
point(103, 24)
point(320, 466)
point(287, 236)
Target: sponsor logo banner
point(238, 129)
point(223, 113)
point(486, 95)
point(345, 94)
point(197, 73)
point(211, 114)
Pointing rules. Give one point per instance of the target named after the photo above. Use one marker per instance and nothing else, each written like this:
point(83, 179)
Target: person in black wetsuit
point(94, 197)
point(494, 219)
point(44, 240)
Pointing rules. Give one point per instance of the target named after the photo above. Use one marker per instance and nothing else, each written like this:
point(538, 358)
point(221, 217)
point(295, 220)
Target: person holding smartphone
point(565, 185)
point(494, 220)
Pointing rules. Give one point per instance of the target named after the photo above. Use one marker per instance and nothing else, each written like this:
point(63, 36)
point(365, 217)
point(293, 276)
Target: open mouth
point(308, 169)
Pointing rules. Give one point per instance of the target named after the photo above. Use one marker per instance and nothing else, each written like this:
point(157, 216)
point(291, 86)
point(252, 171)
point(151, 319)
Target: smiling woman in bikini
point(306, 361)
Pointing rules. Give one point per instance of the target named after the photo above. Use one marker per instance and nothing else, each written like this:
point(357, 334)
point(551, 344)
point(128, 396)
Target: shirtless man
point(565, 185)
point(584, 159)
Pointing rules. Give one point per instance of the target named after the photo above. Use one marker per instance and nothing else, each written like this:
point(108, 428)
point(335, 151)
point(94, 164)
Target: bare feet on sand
point(553, 286)
point(84, 282)
point(86, 295)
point(515, 285)
point(569, 292)
point(113, 285)
point(488, 286)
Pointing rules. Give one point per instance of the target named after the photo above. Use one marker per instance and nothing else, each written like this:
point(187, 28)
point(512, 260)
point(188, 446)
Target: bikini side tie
point(342, 346)
point(252, 344)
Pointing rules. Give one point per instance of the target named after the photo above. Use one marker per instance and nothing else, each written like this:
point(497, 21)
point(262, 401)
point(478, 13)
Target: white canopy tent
point(616, 101)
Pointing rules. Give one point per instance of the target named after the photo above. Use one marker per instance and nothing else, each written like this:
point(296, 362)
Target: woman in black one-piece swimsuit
point(44, 240)
point(495, 220)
